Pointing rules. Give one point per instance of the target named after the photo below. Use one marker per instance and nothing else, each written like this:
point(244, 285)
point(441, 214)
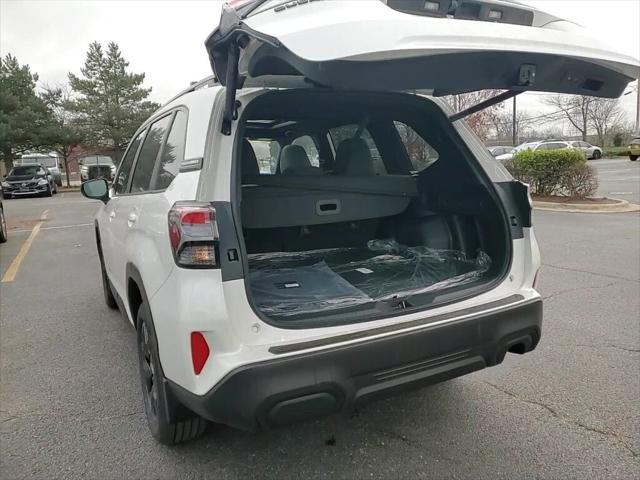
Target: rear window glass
point(421, 154)
point(346, 132)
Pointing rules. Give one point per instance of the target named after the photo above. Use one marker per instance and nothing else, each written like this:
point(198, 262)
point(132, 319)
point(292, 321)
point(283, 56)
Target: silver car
point(591, 151)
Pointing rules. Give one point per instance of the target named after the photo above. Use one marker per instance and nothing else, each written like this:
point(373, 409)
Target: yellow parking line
point(12, 271)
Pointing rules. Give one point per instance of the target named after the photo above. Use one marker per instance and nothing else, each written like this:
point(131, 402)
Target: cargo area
point(359, 205)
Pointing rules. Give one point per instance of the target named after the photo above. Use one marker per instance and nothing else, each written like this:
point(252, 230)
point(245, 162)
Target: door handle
point(131, 219)
point(112, 215)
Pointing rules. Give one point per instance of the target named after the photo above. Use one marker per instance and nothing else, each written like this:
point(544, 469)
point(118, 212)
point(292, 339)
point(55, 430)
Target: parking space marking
point(12, 271)
point(56, 227)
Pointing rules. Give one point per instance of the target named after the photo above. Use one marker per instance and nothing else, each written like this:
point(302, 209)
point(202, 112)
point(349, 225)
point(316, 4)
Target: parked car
point(634, 149)
point(3, 221)
point(368, 261)
point(29, 180)
point(592, 152)
point(522, 146)
point(500, 150)
point(96, 166)
point(48, 160)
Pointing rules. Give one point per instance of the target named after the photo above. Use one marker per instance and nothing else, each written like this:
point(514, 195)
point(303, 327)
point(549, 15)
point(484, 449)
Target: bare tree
point(503, 124)
point(576, 109)
point(604, 114)
point(483, 121)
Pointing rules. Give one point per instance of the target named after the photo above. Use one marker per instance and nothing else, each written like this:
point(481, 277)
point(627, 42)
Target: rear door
point(119, 207)
point(444, 46)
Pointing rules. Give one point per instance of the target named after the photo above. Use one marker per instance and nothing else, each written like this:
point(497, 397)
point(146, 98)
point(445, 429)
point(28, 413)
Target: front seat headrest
point(249, 161)
point(294, 161)
point(354, 158)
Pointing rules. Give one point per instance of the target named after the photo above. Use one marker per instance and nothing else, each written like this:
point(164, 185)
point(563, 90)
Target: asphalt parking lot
point(71, 405)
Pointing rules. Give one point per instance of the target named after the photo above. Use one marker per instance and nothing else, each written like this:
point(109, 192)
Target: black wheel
point(597, 154)
point(633, 158)
point(3, 227)
point(55, 188)
point(170, 423)
point(48, 193)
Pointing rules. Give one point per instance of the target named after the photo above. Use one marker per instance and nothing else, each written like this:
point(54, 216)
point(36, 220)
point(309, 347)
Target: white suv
point(303, 232)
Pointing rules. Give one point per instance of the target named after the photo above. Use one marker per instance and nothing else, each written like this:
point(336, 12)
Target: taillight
point(193, 235)
point(199, 351)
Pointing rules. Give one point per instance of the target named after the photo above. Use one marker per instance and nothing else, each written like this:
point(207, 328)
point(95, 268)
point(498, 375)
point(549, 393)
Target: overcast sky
point(165, 39)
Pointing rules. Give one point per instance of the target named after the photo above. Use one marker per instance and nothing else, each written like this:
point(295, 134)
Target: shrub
point(617, 140)
point(554, 172)
point(580, 181)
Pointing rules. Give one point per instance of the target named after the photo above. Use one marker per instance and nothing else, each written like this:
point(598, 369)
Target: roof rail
point(204, 83)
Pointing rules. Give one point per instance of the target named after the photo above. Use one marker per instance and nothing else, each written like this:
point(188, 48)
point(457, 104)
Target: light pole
point(637, 90)
point(513, 127)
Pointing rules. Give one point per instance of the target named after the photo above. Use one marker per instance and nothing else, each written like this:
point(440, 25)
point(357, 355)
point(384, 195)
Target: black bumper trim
point(297, 387)
point(323, 342)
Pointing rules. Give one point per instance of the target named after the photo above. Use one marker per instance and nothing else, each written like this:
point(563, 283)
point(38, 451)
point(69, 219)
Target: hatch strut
point(526, 78)
point(485, 104)
point(232, 85)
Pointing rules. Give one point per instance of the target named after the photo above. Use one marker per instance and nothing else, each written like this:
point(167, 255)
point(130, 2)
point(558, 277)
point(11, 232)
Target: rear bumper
point(294, 388)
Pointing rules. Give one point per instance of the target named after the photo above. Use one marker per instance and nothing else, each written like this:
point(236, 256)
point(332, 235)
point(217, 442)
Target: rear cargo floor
point(287, 284)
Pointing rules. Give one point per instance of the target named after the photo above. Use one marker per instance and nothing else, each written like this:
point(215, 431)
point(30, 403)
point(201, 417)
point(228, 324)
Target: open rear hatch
point(467, 226)
point(444, 46)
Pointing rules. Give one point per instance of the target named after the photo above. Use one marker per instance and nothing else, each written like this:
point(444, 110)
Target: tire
point(633, 158)
point(48, 193)
point(3, 227)
point(597, 154)
point(170, 422)
point(109, 298)
point(55, 188)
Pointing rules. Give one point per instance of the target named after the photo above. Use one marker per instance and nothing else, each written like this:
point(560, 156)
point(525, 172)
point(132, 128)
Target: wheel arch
point(136, 293)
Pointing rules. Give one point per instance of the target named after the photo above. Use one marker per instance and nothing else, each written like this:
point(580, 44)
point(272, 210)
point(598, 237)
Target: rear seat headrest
point(354, 158)
point(249, 160)
point(294, 161)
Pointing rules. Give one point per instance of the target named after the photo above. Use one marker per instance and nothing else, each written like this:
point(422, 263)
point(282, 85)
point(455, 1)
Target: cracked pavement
point(70, 401)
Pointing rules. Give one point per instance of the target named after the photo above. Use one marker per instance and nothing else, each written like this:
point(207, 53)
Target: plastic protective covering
point(318, 281)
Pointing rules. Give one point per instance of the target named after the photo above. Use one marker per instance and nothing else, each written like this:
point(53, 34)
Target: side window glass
point(421, 154)
point(172, 153)
point(120, 184)
point(340, 134)
point(309, 146)
point(267, 153)
point(141, 181)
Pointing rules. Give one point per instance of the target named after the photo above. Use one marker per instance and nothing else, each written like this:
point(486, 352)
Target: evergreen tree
point(110, 101)
point(64, 132)
point(23, 115)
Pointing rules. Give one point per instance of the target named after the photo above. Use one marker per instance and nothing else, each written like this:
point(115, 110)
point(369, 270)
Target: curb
point(621, 206)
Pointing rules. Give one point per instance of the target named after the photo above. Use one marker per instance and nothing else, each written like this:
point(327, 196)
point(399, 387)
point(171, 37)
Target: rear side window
point(120, 184)
point(172, 153)
point(421, 154)
point(141, 181)
point(345, 132)
point(267, 152)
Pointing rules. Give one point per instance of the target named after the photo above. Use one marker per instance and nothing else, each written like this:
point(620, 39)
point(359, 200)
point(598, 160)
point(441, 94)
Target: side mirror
point(96, 190)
